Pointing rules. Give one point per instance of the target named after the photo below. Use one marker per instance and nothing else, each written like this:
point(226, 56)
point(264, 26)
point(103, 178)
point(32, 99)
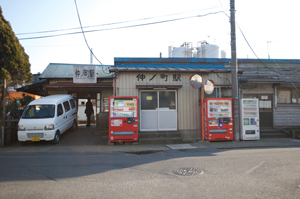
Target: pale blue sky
point(260, 20)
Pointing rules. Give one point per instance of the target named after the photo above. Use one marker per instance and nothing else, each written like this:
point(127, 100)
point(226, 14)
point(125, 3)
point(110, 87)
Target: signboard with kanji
point(84, 74)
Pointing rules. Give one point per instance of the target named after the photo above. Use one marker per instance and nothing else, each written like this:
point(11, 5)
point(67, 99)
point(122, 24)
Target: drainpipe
point(115, 83)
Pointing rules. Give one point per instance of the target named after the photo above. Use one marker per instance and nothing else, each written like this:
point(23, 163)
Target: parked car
point(47, 118)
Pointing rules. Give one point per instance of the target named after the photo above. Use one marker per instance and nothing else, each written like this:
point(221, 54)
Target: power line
point(122, 27)
point(256, 54)
point(108, 24)
point(84, 35)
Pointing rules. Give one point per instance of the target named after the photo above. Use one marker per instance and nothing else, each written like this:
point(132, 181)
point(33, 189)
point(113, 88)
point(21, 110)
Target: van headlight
point(49, 126)
point(21, 128)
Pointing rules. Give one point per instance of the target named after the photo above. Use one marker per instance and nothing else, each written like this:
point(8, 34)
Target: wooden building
point(276, 83)
point(176, 105)
point(60, 79)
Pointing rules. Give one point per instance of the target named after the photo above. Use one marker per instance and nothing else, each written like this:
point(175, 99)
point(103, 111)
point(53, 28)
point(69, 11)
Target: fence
point(10, 131)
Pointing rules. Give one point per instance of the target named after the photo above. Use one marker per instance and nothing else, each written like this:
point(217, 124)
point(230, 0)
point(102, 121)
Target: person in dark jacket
point(88, 111)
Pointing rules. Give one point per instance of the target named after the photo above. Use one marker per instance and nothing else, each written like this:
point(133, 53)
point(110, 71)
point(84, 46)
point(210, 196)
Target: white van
point(47, 118)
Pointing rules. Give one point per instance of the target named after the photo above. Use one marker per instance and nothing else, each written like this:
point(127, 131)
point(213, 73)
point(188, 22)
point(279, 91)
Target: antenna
point(268, 48)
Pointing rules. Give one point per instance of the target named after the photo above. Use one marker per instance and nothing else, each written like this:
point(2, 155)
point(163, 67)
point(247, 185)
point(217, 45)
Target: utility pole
point(91, 56)
point(234, 78)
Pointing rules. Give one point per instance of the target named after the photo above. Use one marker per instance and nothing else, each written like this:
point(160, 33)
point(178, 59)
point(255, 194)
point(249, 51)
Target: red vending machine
point(123, 119)
point(218, 122)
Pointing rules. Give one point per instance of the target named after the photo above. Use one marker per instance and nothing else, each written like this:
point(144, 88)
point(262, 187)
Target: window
point(167, 99)
point(39, 111)
point(288, 96)
point(219, 92)
point(72, 102)
point(149, 100)
point(67, 106)
point(59, 110)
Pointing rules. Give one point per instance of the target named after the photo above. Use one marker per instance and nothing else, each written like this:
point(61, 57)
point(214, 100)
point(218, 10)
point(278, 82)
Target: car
point(47, 118)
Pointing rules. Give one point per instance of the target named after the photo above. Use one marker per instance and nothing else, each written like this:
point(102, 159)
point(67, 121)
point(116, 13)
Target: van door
point(68, 114)
point(60, 119)
point(73, 110)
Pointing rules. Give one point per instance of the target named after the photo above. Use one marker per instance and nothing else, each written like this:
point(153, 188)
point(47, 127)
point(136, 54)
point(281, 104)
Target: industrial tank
point(223, 54)
point(206, 50)
point(185, 50)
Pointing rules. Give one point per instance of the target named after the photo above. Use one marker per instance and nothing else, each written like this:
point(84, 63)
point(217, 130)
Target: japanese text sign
point(84, 74)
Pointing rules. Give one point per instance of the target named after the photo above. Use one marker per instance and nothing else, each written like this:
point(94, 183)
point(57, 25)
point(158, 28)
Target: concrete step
point(273, 133)
point(161, 141)
point(169, 134)
point(170, 137)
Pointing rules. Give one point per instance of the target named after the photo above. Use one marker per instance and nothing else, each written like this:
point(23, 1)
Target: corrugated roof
point(175, 60)
point(56, 70)
point(168, 67)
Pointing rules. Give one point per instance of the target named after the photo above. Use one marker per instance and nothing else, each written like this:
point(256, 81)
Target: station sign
point(84, 74)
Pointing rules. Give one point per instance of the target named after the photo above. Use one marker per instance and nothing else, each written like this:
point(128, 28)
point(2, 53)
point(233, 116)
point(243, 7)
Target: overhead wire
point(85, 37)
point(256, 54)
point(260, 59)
point(122, 27)
point(108, 24)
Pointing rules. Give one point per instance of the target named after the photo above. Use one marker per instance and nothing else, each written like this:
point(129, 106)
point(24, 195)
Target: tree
point(14, 62)
point(16, 106)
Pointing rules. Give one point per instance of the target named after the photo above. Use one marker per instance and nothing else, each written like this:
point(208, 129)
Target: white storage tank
point(206, 50)
point(184, 51)
point(223, 54)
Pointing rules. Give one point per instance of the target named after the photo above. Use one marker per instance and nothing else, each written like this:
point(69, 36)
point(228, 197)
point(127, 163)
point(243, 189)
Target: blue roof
point(168, 64)
point(122, 60)
point(186, 64)
point(56, 70)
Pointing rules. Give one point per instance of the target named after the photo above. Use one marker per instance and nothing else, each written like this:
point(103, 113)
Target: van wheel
point(56, 138)
point(74, 126)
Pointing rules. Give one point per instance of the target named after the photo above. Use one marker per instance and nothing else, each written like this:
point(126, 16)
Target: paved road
point(239, 173)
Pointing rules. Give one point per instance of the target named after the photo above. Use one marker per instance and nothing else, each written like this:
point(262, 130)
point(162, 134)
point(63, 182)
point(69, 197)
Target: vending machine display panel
point(123, 119)
point(218, 124)
point(249, 125)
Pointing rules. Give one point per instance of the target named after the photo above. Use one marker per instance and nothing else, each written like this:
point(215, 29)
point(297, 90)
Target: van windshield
point(39, 111)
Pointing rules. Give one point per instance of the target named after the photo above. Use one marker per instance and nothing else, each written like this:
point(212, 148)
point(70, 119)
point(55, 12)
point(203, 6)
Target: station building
point(174, 104)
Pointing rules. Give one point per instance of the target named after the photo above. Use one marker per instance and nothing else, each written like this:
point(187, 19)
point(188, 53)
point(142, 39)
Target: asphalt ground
point(90, 140)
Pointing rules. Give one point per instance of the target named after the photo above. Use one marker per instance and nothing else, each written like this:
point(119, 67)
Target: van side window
point(67, 106)
point(72, 102)
point(59, 110)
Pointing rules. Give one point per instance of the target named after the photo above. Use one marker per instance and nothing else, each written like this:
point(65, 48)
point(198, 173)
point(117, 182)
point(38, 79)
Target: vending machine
point(123, 119)
point(218, 122)
point(249, 114)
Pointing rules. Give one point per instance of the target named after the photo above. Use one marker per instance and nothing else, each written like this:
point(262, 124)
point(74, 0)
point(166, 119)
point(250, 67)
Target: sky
point(269, 28)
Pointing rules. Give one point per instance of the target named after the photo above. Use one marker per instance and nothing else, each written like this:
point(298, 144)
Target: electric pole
point(234, 77)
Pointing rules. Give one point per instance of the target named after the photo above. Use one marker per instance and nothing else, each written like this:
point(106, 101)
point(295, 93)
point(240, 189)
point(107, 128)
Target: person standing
point(88, 111)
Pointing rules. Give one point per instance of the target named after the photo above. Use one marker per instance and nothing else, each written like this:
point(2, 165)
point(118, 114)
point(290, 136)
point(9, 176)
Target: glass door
point(149, 109)
point(158, 111)
point(167, 113)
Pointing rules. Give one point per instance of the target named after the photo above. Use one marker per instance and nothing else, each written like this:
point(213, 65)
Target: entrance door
point(158, 111)
point(265, 109)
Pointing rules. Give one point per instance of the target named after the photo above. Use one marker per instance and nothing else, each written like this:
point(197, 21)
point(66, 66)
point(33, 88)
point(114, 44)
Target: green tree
point(13, 108)
point(14, 62)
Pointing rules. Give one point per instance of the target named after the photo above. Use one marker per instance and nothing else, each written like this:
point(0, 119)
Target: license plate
point(35, 139)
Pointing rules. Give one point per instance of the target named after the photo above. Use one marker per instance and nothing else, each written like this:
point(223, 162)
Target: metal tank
point(186, 50)
point(206, 50)
point(223, 54)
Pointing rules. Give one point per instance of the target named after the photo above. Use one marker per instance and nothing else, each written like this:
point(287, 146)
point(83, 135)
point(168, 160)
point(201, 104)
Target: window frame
point(67, 106)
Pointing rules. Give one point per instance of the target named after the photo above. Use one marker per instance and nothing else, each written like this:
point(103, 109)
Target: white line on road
point(251, 170)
